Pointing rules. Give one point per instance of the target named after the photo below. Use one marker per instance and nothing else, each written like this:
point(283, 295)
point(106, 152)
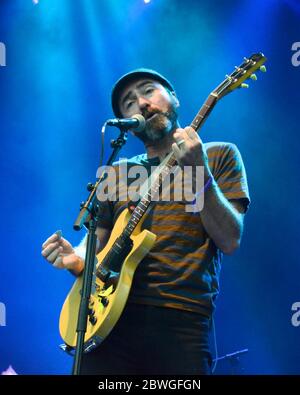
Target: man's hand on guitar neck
point(61, 254)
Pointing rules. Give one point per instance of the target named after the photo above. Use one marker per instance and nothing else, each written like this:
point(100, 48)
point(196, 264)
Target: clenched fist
point(60, 253)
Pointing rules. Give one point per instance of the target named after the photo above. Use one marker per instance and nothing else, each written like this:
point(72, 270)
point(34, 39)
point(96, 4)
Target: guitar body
point(106, 303)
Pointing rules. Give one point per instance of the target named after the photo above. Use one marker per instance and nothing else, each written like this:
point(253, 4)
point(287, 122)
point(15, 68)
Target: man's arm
point(222, 219)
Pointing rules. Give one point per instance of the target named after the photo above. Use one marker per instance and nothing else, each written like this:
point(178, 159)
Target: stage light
point(147, 1)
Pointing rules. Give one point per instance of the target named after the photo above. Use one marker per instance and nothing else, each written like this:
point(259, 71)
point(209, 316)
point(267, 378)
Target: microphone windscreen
point(141, 124)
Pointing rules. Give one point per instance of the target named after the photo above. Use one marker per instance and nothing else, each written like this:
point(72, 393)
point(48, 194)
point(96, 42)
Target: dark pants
point(153, 340)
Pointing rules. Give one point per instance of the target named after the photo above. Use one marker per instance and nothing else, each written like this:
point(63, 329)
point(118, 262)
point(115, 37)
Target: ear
point(175, 98)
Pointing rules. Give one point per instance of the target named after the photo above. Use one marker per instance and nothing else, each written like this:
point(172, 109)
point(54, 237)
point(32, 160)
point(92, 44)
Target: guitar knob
point(104, 301)
point(244, 85)
point(263, 68)
point(92, 319)
point(253, 77)
point(90, 186)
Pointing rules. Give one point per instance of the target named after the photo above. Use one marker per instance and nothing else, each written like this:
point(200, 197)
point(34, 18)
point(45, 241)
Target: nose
point(143, 102)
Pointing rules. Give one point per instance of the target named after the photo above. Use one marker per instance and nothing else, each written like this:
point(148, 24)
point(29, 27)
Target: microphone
point(136, 123)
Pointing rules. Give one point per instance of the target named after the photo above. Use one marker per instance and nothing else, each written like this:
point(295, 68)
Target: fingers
point(188, 147)
point(52, 243)
point(52, 247)
point(187, 134)
point(184, 140)
point(54, 254)
point(176, 150)
point(59, 252)
point(192, 134)
point(63, 261)
point(56, 236)
point(58, 263)
point(46, 251)
point(52, 251)
point(50, 239)
point(67, 246)
point(179, 134)
point(48, 248)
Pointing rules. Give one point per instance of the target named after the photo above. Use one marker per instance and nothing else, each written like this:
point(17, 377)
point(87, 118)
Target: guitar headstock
point(245, 71)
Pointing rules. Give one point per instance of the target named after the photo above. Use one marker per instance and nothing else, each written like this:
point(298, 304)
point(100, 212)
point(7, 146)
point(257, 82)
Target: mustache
point(147, 114)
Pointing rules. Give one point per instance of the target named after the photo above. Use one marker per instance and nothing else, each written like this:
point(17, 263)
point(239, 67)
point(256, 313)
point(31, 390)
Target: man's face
point(155, 103)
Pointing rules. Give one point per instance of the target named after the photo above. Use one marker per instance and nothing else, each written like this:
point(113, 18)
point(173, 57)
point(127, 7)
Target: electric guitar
point(128, 245)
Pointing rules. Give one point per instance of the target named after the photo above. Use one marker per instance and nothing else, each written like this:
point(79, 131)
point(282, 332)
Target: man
point(164, 328)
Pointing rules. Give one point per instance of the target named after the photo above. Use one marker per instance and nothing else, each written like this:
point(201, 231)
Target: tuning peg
point(253, 77)
point(244, 85)
point(90, 187)
point(246, 59)
point(263, 68)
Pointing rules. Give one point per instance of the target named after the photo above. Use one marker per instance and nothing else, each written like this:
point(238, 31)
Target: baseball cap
point(130, 76)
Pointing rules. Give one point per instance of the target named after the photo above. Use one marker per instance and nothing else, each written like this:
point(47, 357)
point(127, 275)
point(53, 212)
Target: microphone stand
point(89, 216)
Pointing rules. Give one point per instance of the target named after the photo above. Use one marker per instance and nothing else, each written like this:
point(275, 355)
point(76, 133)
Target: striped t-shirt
point(182, 269)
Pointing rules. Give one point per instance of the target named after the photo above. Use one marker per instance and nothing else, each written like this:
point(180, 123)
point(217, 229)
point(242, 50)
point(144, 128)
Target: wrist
point(80, 251)
point(78, 267)
point(198, 201)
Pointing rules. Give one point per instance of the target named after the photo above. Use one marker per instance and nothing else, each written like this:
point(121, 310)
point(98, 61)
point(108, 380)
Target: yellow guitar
point(108, 296)
point(128, 245)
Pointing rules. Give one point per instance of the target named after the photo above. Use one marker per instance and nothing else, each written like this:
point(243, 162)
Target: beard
point(158, 124)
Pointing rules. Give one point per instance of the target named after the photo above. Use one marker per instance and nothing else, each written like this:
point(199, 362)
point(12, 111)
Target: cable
point(215, 360)
point(102, 143)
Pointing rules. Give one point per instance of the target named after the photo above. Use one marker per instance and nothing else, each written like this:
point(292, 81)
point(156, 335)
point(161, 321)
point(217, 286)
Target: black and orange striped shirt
point(183, 267)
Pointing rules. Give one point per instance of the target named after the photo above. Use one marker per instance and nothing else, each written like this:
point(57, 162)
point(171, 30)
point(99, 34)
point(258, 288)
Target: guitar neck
point(232, 81)
point(204, 111)
point(164, 169)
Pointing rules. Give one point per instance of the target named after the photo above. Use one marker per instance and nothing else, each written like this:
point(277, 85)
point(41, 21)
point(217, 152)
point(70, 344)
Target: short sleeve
point(230, 175)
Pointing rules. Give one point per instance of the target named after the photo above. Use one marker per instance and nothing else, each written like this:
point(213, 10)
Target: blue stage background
point(62, 58)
